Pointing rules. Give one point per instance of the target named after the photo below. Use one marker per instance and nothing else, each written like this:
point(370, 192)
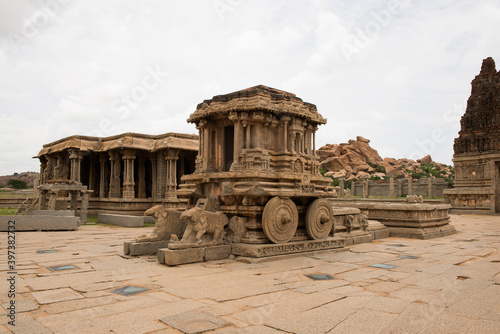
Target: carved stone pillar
point(314, 142)
point(301, 143)
point(43, 165)
point(171, 157)
point(92, 174)
point(392, 192)
point(114, 180)
point(74, 200)
point(366, 191)
point(103, 174)
point(128, 179)
point(141, 186)
point(341, 185)
point(429, 188)
point(161, 177)
point(85, 206)
point(285, 121)
point(206, 142)
point(76, 160)
point(410, 186)
point(50, 168)
point(353, 188)
point(62, 169)
point(43, 200)
point(200, 157)
point(52, 199)
point(238, 141)
point(248, 140)
point(154, 177)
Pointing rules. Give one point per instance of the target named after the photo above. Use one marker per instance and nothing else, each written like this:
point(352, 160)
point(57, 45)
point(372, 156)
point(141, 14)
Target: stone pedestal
point(377, 230)
point(174, 257)
point(265, 250)
point(143, 248)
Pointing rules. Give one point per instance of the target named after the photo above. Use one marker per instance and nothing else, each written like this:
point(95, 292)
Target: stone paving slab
point(54, 296)
point(453, 286)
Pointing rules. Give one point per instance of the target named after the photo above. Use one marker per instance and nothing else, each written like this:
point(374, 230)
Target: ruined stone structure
point(477, 149)
point(428, 187)
point(257, 156)
point(125, 173)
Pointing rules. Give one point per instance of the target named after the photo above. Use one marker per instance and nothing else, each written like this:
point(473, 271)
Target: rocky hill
point(29, 177)
point(356, 160)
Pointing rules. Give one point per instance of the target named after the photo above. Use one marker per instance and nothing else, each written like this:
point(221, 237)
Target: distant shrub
point(17, 184)
point(336, 183)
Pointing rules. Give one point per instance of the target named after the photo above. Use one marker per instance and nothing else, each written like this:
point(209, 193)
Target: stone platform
point(39, 223)
point(143, 248)
point(408, 220)
point(124, 220)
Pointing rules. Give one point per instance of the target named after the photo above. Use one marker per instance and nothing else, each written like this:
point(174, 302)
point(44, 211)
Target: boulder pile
point(356, 160)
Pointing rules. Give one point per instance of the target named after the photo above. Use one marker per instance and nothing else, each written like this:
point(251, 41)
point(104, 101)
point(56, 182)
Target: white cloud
point(71, 75)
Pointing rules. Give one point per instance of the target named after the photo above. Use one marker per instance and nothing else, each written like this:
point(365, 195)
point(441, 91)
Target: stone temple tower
point(477, 149)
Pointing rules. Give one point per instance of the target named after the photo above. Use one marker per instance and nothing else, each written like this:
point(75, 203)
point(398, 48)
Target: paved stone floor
point(452, 287)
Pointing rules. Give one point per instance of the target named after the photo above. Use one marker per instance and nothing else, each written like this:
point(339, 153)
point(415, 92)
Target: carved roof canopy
point(258, 98)
point(127, 140)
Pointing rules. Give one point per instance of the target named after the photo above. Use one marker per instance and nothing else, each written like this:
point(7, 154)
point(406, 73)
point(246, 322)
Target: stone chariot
point(257, 158)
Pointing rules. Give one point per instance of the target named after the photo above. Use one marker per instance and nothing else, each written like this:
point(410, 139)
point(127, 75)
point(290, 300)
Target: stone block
point(121, 220)
point(143, 248)
point(50, 213)
point(361, 238)
point(194, 322)
point(217, 252)
point(40, 223)
point(377, 230)
point(264, 250)
point(174, 257)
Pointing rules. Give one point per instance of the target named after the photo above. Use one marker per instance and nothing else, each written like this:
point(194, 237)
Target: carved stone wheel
point(319, 219)
point(280, 219)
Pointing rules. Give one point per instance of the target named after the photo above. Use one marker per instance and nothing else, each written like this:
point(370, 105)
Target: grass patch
point(91, 219)
point(7, 211)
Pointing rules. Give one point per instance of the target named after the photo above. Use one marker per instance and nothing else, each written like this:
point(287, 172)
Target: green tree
point(17, 184)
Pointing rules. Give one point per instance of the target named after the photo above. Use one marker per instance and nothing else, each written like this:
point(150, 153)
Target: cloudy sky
point(396, 72)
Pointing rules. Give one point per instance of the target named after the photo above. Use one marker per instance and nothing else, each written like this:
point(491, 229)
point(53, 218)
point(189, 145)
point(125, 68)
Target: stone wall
point(401, 188)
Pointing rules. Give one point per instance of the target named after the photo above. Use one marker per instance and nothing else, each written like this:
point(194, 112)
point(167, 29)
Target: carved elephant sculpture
point(167, 222)
point(200, 222)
